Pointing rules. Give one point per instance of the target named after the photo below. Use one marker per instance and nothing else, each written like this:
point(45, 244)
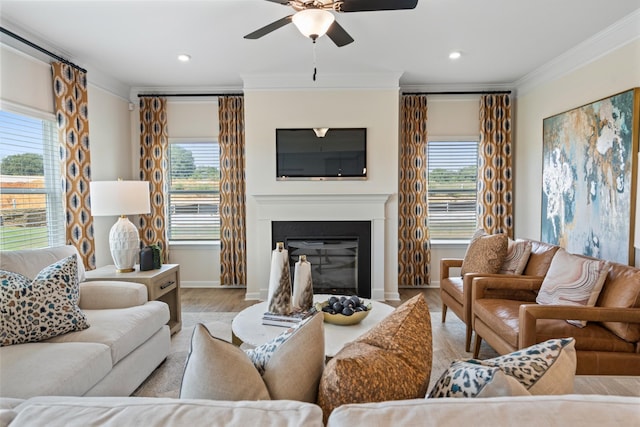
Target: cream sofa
point(534, 411)
point(127, 339)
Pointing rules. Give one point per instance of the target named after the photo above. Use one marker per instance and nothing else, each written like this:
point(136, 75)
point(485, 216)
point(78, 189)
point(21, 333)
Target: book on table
point(286, 320)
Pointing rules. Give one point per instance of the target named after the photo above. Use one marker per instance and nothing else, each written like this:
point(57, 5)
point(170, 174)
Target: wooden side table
point(162, 285)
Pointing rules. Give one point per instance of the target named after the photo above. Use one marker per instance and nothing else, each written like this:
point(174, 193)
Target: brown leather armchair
point(609, 344)
point(455, 291)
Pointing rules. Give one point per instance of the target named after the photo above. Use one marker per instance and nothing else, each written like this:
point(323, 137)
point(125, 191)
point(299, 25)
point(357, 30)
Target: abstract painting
point(588, 177)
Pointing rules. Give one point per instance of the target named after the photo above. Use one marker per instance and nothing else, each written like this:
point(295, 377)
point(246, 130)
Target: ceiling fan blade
point(282, 2)
point(372, 5)
point(339, 35)
point(269, 28)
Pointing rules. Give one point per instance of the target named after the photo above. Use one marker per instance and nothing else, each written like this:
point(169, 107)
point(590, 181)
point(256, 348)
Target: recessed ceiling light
point(455, 55)
point(183, 57)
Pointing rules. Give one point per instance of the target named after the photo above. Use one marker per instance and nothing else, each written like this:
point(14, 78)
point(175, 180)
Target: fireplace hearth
point(339, 253)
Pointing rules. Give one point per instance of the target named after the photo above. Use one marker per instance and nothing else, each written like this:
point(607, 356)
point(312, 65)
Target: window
point(452, 170)
point(31, 208)
point(194, 194)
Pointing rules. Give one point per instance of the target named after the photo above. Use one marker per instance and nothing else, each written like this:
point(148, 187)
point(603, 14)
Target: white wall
point(109, 121)
point(376, 110)
point(613, 73)
point(450, 117)
point(198, 119)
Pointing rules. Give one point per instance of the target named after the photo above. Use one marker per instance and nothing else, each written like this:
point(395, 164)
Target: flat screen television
point(340, 154)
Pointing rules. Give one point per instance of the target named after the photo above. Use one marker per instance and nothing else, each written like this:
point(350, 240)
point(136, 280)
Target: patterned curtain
point(414, 247)
point(72, 115)
point(154, 146)
point(495, 196)
point(233, 257)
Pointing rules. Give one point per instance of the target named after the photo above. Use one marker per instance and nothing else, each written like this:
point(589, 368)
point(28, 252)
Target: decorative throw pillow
point(218, 370)
point(391, 361)
point(291, 365)
point(261, 355)
point(485, 254)
point(544, 368)
point(470, 379)
point(573, 280)
point(293, 372)
point(43, 308)
point(518, 252)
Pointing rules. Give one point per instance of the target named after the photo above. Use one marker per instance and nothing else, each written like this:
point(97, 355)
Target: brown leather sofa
point(455, 291)
point(506, 316)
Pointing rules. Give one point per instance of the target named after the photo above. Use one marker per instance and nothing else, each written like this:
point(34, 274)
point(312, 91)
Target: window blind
point(194, 193)
point(452, 176)
point(31, 208)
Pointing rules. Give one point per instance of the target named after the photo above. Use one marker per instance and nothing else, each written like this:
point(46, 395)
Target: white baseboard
point(391, 296)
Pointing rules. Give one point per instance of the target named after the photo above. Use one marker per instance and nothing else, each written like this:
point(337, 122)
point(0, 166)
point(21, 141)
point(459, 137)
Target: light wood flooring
point(206, 300)
point(195, 300)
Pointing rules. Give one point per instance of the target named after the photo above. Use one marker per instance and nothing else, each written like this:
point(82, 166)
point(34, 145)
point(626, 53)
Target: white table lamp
point(110, 198)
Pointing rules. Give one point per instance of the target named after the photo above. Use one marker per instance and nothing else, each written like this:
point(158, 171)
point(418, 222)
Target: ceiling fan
point(314, 19)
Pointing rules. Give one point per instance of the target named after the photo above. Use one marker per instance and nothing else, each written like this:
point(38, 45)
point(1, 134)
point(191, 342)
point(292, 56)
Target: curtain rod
point(478, 92)
point(157, 95)
point(41, 49)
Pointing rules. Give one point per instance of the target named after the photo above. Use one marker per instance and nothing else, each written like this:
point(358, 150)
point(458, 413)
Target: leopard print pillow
point(468, 379)
point(46, 307)
point(548, 367)
point(261, 355)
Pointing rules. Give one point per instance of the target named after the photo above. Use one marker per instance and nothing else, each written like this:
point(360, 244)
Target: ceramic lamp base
point(124, 241)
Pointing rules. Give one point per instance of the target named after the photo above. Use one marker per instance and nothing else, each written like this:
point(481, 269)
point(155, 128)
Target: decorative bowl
point(341, 319)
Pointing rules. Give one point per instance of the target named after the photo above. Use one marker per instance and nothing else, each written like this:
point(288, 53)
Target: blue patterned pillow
point(261, 355)
point(545, 368)
point(43, 308)
point(468, 379)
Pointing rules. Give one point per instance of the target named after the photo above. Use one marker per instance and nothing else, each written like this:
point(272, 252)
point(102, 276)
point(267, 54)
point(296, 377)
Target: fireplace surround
point(268, 208)
point(339, 253)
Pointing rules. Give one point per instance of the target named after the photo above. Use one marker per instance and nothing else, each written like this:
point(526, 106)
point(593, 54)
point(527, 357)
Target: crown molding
point(610, 39)
point(325, 81)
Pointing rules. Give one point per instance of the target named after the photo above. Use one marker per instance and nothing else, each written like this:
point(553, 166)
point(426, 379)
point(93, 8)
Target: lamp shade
point(121, 198)
point(110, 198)
point(313, 23)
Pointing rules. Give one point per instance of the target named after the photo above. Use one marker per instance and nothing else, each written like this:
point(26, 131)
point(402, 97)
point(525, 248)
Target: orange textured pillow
point(390, 362)
point(485, 254)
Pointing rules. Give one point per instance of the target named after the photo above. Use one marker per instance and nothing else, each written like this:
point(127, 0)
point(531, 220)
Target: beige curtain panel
point(154, 146)
point(72, 115)
point(414, 247)
point(233, 256)
point(495, 183)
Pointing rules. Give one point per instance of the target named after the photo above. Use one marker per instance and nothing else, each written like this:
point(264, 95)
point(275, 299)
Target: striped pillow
point(518, 252)
point(573, 280)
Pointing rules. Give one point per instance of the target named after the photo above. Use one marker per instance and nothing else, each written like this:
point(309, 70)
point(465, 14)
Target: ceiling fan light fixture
point(313, 23)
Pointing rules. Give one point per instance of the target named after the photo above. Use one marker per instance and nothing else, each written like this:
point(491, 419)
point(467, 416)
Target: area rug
point(448, 345)
point(165, 380)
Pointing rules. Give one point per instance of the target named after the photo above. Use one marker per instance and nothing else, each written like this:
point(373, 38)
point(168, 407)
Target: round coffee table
point(247, 326)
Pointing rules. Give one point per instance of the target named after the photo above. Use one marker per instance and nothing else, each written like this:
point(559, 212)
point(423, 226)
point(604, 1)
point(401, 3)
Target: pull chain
point(314, 60)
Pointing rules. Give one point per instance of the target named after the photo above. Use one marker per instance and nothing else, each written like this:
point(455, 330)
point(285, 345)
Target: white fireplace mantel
point(324, 207)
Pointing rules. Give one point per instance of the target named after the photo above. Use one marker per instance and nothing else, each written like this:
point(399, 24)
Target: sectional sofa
point(533, 411)
point(126, 340)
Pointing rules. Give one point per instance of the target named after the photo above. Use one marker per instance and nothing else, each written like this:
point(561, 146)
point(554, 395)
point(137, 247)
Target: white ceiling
point(136, 42)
